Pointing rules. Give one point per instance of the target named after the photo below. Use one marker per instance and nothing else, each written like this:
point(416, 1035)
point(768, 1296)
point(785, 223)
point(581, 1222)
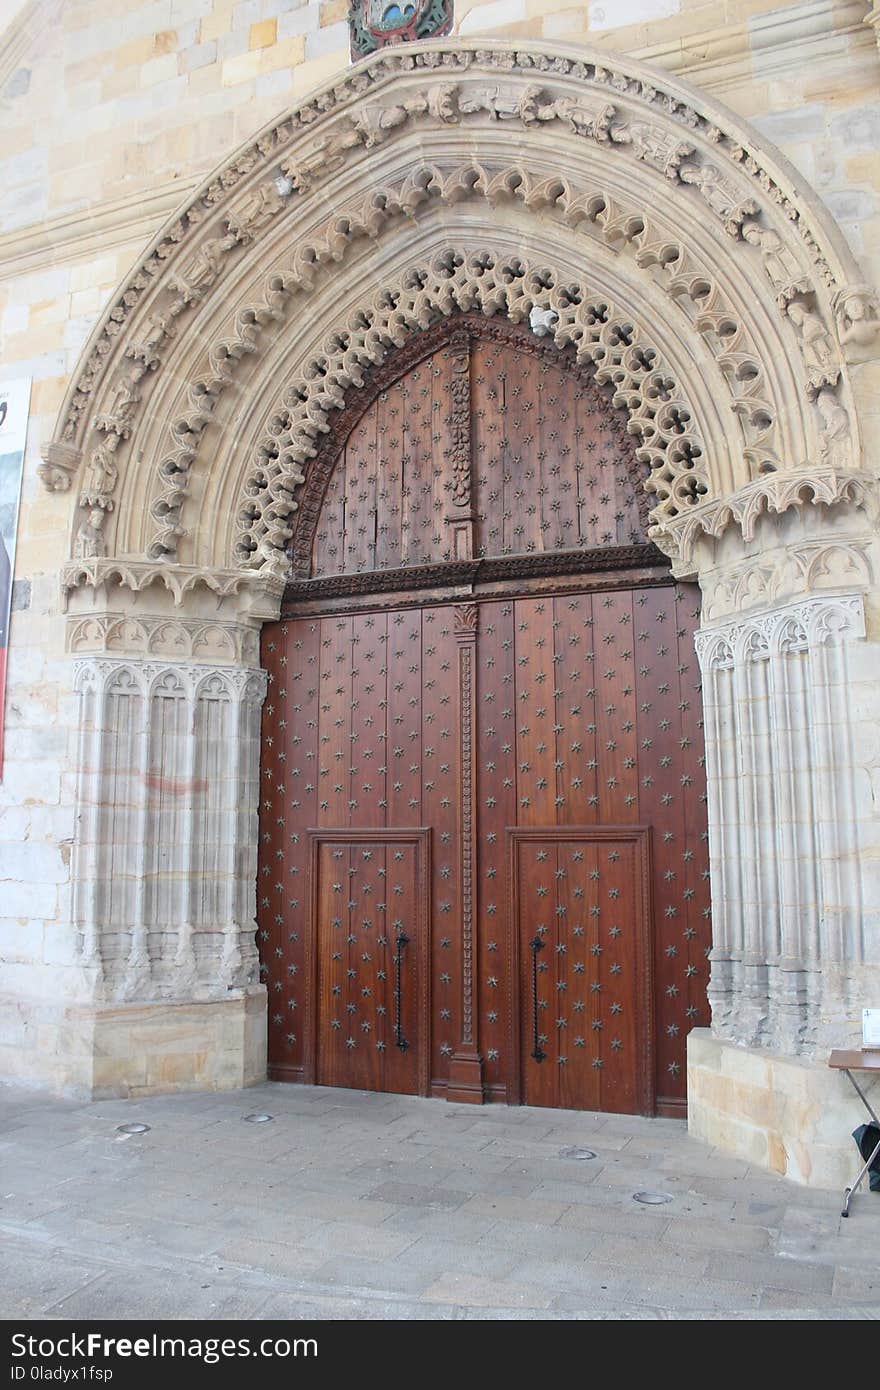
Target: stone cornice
point(18, 38)
point(717, 59)
point(179, 580)
point(131, 218)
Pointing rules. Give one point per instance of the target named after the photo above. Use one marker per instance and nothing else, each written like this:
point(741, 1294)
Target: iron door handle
point(538, 1053)
point(401, 941)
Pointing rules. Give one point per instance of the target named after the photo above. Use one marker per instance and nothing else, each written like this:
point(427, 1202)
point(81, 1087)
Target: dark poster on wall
point(14, 402)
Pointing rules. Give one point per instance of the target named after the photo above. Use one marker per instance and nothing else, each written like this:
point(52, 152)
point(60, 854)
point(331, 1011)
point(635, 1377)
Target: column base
point(107, 1050)
point(465, 1084)
point(790, 1116)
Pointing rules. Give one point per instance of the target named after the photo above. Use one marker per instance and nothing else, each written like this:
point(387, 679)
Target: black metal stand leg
point(851, 1191)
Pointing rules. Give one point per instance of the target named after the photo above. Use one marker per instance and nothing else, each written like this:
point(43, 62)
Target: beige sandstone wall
point(111, 111)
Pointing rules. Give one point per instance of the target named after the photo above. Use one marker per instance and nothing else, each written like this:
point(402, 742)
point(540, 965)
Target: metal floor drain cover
point(652, 1199)
point(258, 1119)
point(572, 1151)
point(132, 1129)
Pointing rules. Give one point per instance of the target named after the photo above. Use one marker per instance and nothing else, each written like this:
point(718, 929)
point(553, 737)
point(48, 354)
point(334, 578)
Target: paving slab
point(354, 1205)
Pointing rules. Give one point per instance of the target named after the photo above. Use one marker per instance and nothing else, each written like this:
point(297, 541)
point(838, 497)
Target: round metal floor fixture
point(132, 1129)
point(652, 1199)
point(572, 1151)
point(258, 1119)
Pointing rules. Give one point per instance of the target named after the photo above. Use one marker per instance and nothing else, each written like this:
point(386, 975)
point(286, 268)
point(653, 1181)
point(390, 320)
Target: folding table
point(848, 1062)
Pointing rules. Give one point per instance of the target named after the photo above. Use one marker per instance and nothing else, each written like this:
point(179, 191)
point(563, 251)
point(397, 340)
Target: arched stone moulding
point(652, 140)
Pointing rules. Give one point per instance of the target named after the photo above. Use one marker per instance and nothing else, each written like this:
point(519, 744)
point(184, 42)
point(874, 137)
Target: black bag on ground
point(867, 1138)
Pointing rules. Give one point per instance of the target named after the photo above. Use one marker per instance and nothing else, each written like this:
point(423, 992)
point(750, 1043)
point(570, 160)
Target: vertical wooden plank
point(440, 810)
point(496, 810)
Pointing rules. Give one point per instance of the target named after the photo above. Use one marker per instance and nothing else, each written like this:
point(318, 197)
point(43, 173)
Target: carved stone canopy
point(616, 211)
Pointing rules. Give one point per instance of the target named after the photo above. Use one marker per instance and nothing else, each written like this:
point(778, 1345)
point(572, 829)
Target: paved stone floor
point(371, 1206)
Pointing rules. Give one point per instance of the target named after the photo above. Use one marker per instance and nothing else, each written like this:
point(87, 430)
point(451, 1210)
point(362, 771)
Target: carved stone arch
point(677, 191)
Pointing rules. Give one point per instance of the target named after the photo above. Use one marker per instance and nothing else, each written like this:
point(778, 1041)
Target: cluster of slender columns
point(165, 856)
point(787, 893)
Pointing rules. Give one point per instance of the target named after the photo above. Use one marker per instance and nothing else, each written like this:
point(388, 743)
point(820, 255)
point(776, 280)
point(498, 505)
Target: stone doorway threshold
point(362, 1206)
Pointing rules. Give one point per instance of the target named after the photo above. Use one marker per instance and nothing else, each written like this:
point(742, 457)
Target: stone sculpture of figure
point(659, 148)
point(156, 329)
point(326, 157)
point(100, 477)
point(816, 345)
point(834, 430)
point(780, 264)
point(204, 268)
point(858, 323)
point(117, 418)
point(503, 106)
point(89, 543)
point(373, 122)
point(723, 197)
point(578, 114)
point(255, 211)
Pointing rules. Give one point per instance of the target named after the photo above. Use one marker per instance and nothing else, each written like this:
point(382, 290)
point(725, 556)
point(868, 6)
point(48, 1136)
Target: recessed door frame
point(420, 839)
point(640, 837)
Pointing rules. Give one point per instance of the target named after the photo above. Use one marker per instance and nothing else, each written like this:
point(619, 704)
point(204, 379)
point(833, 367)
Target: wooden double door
point(483, 860)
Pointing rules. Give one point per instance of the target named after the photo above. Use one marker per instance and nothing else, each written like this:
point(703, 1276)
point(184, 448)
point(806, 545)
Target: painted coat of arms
point(374, 23)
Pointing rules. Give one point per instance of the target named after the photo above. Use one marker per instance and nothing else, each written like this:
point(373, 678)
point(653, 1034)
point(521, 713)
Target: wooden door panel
point(581, 904)
point(370, 925)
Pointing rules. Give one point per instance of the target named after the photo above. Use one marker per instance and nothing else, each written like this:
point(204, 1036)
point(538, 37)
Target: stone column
point(792, 712)
point(164, 855)
point(788, 936)
point(164, 872)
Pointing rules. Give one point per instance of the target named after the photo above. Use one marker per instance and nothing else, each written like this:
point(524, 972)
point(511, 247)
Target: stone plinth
point(99, 1051)
point(789, 1115)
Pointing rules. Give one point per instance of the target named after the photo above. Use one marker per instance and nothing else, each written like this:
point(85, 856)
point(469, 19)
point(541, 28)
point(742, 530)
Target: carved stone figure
point(247, 218)
point(661, 149)
point(781, 265)
point(118, 417)
point(503, 105)
point(373, 122)
point(542, 321)
point(203, 270)
point(583, 115)
point(156, 329)
point(858, 323)
point(816, 345)
point(100, 477)
point(89, 543)
point(834, 431)
point(324, 158)
point(720, 193)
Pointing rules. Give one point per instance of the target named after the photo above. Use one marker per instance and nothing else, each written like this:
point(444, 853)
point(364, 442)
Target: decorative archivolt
point(487, 283)
point(640, 124)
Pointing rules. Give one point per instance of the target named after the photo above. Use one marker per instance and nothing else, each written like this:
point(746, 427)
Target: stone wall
point(110, 119)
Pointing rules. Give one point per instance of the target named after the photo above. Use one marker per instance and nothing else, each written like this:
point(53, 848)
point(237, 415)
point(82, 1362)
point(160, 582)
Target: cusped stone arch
point(591, 174)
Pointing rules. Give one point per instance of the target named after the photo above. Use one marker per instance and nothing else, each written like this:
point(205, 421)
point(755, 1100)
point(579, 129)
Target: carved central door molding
point(466, 1067)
